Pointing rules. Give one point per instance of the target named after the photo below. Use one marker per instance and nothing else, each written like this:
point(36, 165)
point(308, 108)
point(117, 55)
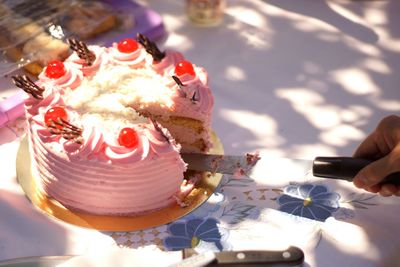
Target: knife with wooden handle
point(342, 168)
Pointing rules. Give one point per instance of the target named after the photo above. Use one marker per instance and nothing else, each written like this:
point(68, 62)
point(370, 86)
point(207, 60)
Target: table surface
point(291, 79)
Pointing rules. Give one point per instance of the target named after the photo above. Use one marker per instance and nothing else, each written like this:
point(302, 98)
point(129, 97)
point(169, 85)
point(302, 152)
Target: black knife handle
point(293, 256)
point(345, 168)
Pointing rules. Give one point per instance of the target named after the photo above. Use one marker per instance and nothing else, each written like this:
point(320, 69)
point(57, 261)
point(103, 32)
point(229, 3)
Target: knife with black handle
point(342, 168)
point(345, 168)
point(292, 256)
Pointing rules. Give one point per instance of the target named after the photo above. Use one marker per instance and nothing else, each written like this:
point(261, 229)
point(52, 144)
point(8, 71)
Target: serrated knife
point(342, 168)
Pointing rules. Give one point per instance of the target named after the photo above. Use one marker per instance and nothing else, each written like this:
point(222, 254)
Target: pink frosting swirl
point(71, 79)
point(151, 142)
point(44, 132)
point(120, 154)
point(45, 136)
point(160, 143)
point(201, 75)
point(51, 97)
point(168, 62)
point(203, 96)
point(93, 143)
point(100, 54)
point(135, 59)
point(196, 91)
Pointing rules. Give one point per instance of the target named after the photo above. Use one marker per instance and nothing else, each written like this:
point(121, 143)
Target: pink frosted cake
point(106, 126)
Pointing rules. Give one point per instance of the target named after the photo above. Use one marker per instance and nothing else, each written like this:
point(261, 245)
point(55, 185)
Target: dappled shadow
point(307, 83)
point(321, 10)
point(288, 83)
point(300, 79)
point(358, 231)
point(13, 131)
point(27, 232)
point(290, 78)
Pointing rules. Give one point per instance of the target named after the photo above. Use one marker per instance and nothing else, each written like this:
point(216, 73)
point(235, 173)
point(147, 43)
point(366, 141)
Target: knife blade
point(292, 256)
point(42, 261)
point(226, 164)
point(342, 168)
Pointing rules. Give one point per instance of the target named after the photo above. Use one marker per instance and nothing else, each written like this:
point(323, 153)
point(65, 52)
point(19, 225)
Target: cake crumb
point(251, 160)
point(187, 189)
point(215, 163)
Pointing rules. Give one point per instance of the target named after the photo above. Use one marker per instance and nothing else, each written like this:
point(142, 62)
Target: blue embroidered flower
point(212, 205)
point(309, 201)
point(191, 233)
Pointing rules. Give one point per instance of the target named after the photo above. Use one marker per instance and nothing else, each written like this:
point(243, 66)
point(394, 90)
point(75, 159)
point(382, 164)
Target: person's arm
point(383, 144)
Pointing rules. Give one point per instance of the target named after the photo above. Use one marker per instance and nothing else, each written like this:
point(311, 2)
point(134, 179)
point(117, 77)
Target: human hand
point(383, 144)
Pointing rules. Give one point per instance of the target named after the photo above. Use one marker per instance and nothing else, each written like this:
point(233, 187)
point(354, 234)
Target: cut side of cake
point(107, 125)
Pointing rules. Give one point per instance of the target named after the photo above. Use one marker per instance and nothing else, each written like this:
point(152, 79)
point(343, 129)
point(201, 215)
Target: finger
point(374, 189)
point(375, 172)
point(388, 190)
point(382, 140)
point(368, 148)
point(387, 134)
point(398, 191)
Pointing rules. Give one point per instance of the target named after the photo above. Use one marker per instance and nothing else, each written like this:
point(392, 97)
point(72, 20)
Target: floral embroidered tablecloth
point(276, 74)
point(333, 222)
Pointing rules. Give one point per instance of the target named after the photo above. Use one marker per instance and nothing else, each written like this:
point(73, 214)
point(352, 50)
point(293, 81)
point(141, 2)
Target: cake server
point(342, 168)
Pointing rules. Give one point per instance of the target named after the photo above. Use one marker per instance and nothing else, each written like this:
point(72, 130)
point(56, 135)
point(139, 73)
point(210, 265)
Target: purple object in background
point(12, 108)
point(146, 21)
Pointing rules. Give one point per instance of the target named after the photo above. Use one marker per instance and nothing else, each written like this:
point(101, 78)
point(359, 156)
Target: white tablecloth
point(291, 79)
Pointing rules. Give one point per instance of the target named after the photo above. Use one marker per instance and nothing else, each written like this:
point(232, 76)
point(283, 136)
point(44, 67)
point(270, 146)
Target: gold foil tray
point(26, 176)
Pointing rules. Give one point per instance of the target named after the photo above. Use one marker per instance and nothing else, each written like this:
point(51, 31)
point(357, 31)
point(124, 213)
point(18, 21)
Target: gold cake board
point(27, 175)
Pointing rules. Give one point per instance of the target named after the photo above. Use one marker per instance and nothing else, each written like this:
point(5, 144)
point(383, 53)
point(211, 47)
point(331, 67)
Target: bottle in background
point(205, 12)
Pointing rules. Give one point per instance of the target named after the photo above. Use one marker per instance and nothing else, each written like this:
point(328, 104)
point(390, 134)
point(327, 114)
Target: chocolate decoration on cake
point(82, 50)
point(178, 81)
point(26, 84)
point(194, 98)
point(180, 84)
point(67, 130)
point(159, 129)
point(150, 47)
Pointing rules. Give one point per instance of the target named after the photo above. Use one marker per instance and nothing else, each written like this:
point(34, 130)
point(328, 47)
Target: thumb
point(376, 171)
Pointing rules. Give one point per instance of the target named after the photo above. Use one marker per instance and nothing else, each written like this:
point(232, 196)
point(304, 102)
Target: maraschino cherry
point(127, 45)
point(184, 67)
point(128, 138)
point(55, 69)
point(54, 114)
